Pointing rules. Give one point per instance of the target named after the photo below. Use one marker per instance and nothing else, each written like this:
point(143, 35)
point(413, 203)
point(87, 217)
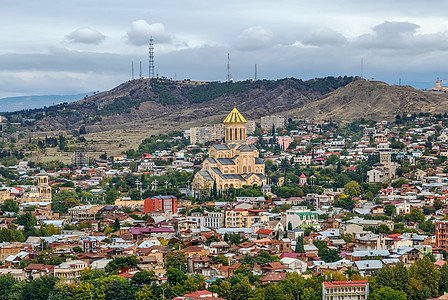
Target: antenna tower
point(151, 58)
point(141, 69)
point(229, 76)
point(255, 72)
point(133, 70)
point(362, 63)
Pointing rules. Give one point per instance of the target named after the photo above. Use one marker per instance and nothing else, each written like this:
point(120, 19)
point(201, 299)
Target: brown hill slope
point(372, 100)
point(160, 106)
point(166, 105)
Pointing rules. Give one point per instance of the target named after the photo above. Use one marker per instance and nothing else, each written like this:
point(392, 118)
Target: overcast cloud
point(67, 47)
point(85, 36)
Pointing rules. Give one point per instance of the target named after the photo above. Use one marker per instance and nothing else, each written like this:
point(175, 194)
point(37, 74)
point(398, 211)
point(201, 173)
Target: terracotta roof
point(345, 283)
point(273, 277)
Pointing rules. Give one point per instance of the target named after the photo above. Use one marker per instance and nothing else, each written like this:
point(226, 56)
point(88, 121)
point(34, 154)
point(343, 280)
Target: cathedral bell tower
point(235, 127)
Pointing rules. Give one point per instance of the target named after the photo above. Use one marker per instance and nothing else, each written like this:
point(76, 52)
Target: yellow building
point(234, 163)
point(40, 193)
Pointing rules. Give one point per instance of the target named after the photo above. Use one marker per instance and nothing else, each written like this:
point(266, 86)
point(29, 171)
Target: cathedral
point(233, 163)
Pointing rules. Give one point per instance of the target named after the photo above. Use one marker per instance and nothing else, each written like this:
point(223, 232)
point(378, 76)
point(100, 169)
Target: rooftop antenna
point(151, 58)
point(229, 76)
point(255, 72)
point(133, 70)
point(141, 69)
point(362, 63)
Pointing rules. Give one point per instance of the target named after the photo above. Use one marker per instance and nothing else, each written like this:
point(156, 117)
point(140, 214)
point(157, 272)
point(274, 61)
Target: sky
point(70, 47)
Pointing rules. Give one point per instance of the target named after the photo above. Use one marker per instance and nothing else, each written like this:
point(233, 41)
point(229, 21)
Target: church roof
point(258, 161)
point(225, 161)
point(216, 170)
point(206, 175)
point(246, 149)
point(232, 176)
point(234, 117)
point(220, 147)
point(211, 159)
point(42, 173)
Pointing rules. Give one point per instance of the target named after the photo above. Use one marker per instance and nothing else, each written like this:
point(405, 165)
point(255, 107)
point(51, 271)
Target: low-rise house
point(332, 290)
point(368, 267)
point(34, 271)
point(70, 270)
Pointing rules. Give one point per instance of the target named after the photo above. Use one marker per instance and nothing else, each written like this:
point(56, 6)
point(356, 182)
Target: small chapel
point(233, 163)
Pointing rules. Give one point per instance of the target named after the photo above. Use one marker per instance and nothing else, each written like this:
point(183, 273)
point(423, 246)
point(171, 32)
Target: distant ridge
point(10, 104)
point(161, 105)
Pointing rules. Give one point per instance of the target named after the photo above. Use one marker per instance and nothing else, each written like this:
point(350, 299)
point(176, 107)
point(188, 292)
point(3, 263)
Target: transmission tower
point(141, 76)
point(151, 58)
point(229, 76)
point(133, 70)
point(255, 72)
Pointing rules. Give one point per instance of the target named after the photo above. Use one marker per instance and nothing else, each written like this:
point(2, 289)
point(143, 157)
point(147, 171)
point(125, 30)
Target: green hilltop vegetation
point(130, 95)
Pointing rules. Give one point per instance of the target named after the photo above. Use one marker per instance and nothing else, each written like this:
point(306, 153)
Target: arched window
point(244, 169)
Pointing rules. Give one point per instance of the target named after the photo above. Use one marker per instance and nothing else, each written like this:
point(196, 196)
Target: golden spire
point(234, 116)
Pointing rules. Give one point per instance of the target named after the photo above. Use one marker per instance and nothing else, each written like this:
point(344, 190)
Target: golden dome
point(234, 117)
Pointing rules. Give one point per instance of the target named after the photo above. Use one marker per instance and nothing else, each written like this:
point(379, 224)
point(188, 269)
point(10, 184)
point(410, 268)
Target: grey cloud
point(85, 36)
point(324, 37)
point(254, 38)
point(141, 31)
point(402, 36)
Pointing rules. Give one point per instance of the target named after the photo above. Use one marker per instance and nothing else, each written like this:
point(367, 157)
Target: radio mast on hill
point(141, 69)
point(151, 58)
point(133, 70)
point(229, 76)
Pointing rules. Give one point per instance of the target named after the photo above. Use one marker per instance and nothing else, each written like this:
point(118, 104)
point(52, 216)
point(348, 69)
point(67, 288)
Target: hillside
point(167, 105)
point(153, 106)
point(372, 100)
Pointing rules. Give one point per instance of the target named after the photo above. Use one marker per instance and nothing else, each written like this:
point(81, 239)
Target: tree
point(242, 290)
point(28, 221)
point(116, 225)
point(289, 226)
point(144, 293)
point(221, 259)
point(443, 283)
point(143, 277)
point(347, 237)
point(176, 259)
point(352, 188)
point(383, 229)
point(64, 200)
point(175, 276)
point(389, 209)
point(82, 130)
point(7, 283)
point(395, 277)
point(388, 293)
point(111, 196)
point(39, 288)
point(235, 239)
point(10, 206)
point(416, 216)
point(77, 249)
point(212, 239)
point(438, 204)
point(299, 245)
point(122, 262)
point(425, 271)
